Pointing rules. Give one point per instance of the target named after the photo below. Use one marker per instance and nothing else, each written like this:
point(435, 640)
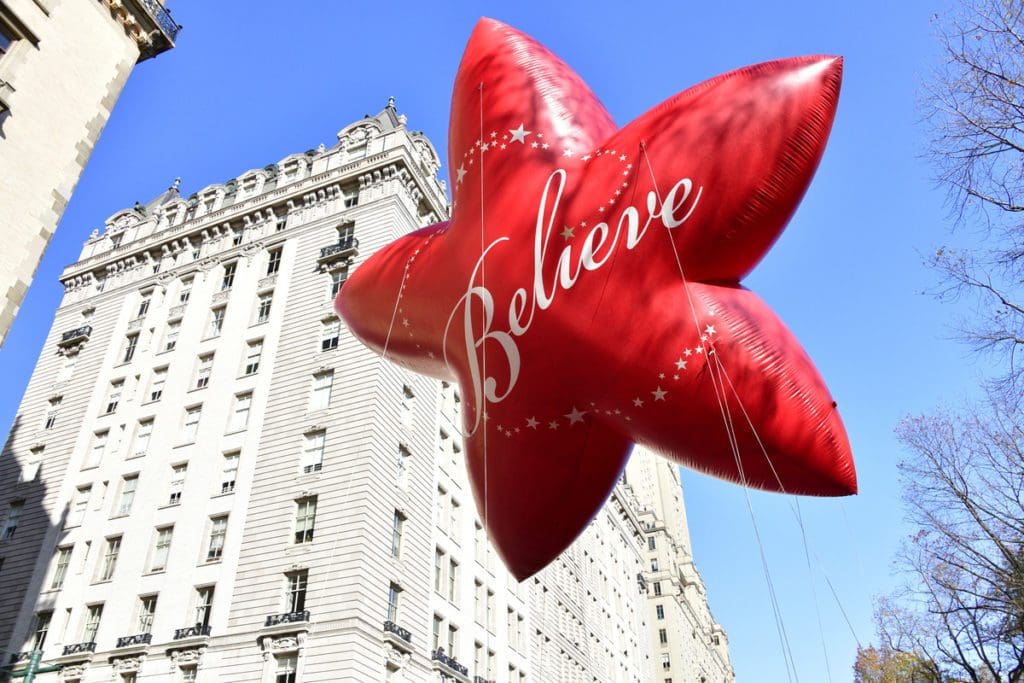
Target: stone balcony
point(399, 637)
point(450, 665)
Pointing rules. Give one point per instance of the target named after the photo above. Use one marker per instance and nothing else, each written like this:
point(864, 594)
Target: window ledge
point(196, 389)
point(186, 443)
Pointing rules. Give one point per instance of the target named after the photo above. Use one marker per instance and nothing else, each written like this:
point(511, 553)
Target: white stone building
point(209, 479)
point(63, 64)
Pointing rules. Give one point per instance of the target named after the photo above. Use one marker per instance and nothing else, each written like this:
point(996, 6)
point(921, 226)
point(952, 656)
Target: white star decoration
point(680, 364)
point(575, 416)
point(461, 171)
point(659, 394)
point(531, 422)
point(519, 134)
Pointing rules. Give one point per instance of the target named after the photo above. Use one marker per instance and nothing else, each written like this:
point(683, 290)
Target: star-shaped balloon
point(585, 293)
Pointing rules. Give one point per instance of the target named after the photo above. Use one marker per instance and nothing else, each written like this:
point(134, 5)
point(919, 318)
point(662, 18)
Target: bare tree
point(960, 609)
point(974, 106)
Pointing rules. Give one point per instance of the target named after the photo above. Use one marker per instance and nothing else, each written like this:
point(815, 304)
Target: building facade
point(209, 479)
point(63, 64)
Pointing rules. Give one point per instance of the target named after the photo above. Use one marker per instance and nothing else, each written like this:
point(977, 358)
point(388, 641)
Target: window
point(666, 660)
point(191, 426)
point(228, 280)
point(240, 416)
point(402, 464)
point(110, 555)
point(274, 264)
point(323, 383)
point(478, 601)
point(654, 564)
point(662, 636)
point(652, 543)
point(216, 322)
point(351, 199)
point(394, 595)
point(297, 582)
point(147, 610)
point(227, 484)
point(490, 610)
point(453, 639)
point(252, 356)
point(396, 534)
point(438, 570)
point(204, 605)
point(659, 611)
point(92, 623)
point(143, 307)
point(285, 669)
point(79, 504)
point(337, 280)
point(331, 330)
point(313, 453)
point(281, 223)
point(186, 292)
point(156, 385)
point(142, 434)
point(178, 473)
point(161, 549)
point(203, 370)
point(407, 405)
point(171, 336)
point(218, 530)
point(51, 413)
point(131, 341)
point(128, 486)
point(437, 632)
point(99, 445)
point(453, 580)
point(61, 569)
point(263, 307)
point(42, 628)
point(114, 396)
point(11, 521)
point(305, 519)
point(237, 238)
point(189, 674)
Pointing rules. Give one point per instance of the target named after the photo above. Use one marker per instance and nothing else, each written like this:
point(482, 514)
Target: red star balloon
point(585, 293)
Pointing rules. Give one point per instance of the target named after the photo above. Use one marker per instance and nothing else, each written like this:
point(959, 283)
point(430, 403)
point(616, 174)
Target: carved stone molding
point(74, 672)
point(127, 664)
point(187, 657)
point(395, 659)
point(251, 250)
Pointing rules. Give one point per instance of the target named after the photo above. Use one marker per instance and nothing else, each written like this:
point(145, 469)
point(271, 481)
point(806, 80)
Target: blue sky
point(251, 82)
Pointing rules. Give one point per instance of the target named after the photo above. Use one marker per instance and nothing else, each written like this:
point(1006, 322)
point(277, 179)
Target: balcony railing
point(137, 639)
point(79, 648)
point(481, 679)
point(347, 245)
point(287, 618)
point(74, 337)
point(191, 632)
point(392, 627)
point(438, 655)
point(163, 18)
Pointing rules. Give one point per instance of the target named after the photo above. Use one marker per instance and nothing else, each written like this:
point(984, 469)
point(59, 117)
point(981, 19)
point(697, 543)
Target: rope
point(733, 442)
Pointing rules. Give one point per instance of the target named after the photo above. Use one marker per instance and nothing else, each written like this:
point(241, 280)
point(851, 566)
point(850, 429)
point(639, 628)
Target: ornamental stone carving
point(395, 661)
point(75, 672)
point(285, 643)
point(251, 250)
point(187, 656)
point(128, 664)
